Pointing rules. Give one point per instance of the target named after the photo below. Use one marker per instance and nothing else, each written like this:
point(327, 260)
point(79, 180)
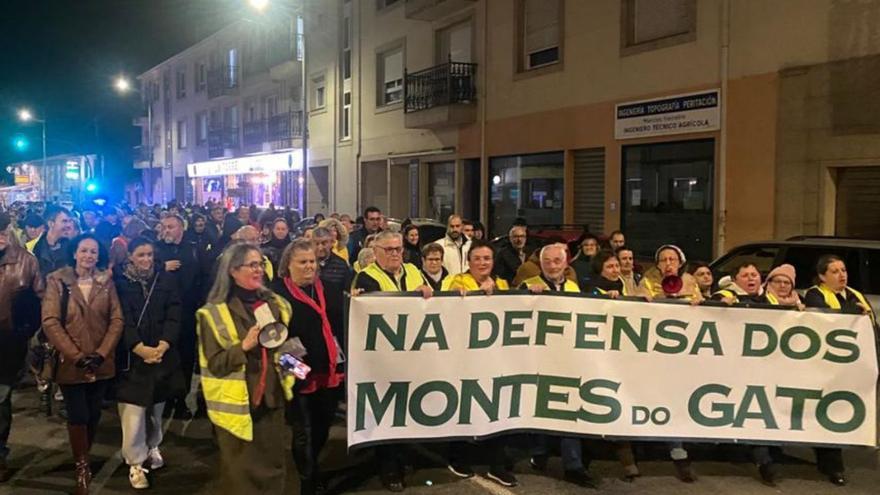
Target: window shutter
point(656, 19)
point(393, 66)
point(541, 28)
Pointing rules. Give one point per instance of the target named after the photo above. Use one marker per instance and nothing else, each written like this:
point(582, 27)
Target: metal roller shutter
point(589, 188)
point(858, 202)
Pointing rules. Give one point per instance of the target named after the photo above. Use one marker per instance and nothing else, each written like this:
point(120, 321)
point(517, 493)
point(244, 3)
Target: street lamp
point(26, 116)
point(123, 87)
point(261, 6)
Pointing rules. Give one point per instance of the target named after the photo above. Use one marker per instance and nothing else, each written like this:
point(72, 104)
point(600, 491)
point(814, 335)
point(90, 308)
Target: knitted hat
point(672, 247)
point(785, 270)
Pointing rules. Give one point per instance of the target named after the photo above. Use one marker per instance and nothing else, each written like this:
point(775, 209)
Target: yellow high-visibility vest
point(226, 397)
point(412, 279)
point(568, 286)
point(31, 244)
point(467, 282)
point(725, 293)
point(832, 302)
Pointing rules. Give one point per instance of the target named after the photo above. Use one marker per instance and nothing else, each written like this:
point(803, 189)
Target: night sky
point(59, 58)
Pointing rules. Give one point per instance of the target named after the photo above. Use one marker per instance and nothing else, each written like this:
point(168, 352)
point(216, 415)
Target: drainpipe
point(484, 162)
point(722, 147)
point(357, 158)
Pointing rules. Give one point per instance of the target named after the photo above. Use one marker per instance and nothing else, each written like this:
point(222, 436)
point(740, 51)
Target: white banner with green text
point(474, 366)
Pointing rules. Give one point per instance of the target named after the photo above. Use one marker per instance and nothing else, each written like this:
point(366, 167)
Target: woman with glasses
point(245, 389)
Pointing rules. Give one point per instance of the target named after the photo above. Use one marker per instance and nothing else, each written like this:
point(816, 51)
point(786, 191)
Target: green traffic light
point(20, 143)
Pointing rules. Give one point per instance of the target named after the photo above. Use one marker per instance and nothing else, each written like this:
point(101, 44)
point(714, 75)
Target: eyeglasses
point(780, 281)
point(392, 250)
point(255, 266)
point(434, 260)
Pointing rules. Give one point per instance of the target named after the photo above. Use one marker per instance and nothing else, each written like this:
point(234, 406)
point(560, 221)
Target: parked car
point(862, 258)
point(430, 230)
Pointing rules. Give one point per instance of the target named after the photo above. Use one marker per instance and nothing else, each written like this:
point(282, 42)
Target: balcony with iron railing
point(441, 96)
point(221, 139)
point(431, 10)
point(279, 131)
point(223, 80)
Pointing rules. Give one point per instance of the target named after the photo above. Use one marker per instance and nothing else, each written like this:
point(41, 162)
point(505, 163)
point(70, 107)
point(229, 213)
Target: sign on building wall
point(680, 114)
point(258, 164)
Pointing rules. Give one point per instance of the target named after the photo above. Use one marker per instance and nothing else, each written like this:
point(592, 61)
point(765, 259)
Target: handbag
point(140, 319)
point(51, 356)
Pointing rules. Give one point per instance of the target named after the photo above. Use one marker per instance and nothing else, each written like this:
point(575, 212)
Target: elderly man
point(554, 261)
point(21, 286)
point(455, 246)
point(513, 254)
point(390, 274)
point(333, 268)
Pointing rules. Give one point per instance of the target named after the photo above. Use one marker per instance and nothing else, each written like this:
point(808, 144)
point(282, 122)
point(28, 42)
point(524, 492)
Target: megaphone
point(672, 285)
point(273, 335)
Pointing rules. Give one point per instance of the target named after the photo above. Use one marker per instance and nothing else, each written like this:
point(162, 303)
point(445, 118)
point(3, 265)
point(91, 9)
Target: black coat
point(334, 270)
point(507, 262)
point(191, 277)
point(147, 384)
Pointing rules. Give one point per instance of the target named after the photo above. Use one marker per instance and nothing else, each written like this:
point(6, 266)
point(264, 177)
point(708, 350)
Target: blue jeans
point(570, 448)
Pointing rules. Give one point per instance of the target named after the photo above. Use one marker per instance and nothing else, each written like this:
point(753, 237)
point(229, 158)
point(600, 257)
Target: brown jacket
point(92, 326)
point(19, 271)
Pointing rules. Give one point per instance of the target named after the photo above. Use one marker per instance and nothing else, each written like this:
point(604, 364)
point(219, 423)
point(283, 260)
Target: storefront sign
point(259, 164)
point(692, 112)
point(475, 366)
point(22, 179)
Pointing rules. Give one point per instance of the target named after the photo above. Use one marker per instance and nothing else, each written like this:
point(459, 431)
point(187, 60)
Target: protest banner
point(470, 367)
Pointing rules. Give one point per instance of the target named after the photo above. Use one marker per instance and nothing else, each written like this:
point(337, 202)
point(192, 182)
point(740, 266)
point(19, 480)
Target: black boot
point(79, 444)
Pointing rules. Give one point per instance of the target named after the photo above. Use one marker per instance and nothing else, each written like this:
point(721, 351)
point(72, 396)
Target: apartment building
point(224, 118)
point(708, 123)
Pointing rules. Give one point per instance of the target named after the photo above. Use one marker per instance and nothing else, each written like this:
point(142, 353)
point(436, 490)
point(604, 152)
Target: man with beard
point(372, 225)
point(21, 286)
point(455, 246)
point(183, 259)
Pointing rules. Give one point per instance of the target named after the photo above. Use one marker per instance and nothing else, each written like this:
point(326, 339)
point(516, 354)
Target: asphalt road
point(42, 463)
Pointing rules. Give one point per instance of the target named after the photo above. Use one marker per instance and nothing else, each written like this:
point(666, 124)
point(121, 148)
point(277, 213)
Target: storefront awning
point(258, 164)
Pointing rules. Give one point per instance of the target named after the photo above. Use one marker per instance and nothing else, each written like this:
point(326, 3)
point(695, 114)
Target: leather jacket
point(21, 287)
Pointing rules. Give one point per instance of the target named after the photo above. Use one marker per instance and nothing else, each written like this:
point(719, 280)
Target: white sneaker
point(137, 475)
point(154, 459)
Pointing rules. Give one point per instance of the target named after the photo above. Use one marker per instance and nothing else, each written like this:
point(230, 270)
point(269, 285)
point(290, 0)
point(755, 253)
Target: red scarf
point(318, 380)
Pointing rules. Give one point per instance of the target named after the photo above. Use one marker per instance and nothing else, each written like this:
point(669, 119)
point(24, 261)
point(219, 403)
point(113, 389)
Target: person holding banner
point(554, 260)
point(743, 285)
point(669, 263)
point(318, 323)
point(667, 280)
point(390, 274)
point(478, 277)
point(832, 292)
point(607, 281)
point(432, 265)
point(244, 386)
point(780, 285)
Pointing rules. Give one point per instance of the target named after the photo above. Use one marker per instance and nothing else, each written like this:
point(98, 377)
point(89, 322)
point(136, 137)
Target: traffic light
point(20, 143)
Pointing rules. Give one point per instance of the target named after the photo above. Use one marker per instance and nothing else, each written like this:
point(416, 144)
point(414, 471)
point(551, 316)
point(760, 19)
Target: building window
point(181, 84)
point(527, 186)
point(540, 24)
point(667, 193)
point(319, 99)
point(181, 134)
point(389, 77)
point(346, 41)
point(202, 127)
point(201, 77)
point(384, 4)
point(345, 120)
point(652, 24)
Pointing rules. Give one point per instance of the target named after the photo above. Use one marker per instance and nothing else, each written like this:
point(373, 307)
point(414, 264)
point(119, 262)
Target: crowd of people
point(131, 304)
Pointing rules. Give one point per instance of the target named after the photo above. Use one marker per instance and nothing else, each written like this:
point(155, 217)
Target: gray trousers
point(141, 431)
